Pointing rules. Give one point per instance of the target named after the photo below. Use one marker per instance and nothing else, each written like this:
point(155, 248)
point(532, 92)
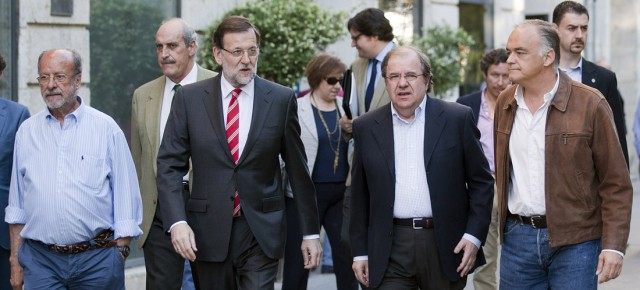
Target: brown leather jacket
point(588, 191)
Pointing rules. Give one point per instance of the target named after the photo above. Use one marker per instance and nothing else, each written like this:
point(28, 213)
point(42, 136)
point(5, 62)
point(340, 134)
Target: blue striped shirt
point(70, 183)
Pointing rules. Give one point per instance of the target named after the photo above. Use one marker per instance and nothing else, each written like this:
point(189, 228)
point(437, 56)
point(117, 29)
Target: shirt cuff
point(311, 237)
point(472, 239)
point(360, 258)
point(175, 224)
point(15, 215)
point(614, 251)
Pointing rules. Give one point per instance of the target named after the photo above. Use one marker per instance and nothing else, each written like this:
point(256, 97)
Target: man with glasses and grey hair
point(422, 190)
point(176, 49)
point(74, 204)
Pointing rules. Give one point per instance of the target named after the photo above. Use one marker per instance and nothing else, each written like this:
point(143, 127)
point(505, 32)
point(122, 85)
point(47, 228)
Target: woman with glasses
point(326, 146)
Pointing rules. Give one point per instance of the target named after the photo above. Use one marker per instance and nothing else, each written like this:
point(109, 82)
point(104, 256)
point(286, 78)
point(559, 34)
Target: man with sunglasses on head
point(74, 200)
point(234, 127)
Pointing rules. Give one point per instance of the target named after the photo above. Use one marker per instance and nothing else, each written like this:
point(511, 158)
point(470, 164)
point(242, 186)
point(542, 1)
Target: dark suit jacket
point(196, 129)
point(472, 101)
point(460, 184)
point(606, 82)
point(12, 115)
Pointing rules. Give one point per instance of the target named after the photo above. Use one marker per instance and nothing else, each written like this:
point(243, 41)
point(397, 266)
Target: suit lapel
point(261, 107)
point(434, 124)
point(153, 107)
point(212, 99)
point(305, 113)
point(383, 136)
point(3, 117)
point(589, 73)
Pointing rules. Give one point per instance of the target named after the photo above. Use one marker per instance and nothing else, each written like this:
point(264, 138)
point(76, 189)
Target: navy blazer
point(12, 115)
point(460, 184)
point(472, 101)
point(606, 82)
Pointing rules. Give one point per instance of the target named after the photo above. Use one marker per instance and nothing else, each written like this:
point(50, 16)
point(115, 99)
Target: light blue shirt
point(70, 183)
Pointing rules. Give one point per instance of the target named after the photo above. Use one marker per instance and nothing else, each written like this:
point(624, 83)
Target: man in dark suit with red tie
point(233, 127)
point(422, 191)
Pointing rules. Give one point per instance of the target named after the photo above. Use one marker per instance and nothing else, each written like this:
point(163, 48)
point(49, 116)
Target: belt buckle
point(414, 224)
point(533, 221)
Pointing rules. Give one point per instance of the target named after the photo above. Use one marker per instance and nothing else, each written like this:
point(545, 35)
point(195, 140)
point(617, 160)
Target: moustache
point(51, 93)
point(579, 41)
point(167, 61)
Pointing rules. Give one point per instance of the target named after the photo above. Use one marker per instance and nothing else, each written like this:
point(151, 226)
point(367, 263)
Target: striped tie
point(233, 129)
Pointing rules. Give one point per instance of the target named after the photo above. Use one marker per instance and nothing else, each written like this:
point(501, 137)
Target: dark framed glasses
point(333, 80)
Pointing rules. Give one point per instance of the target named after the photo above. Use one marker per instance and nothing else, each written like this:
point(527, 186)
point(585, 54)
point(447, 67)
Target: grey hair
point(77, 59)
point(549, 37)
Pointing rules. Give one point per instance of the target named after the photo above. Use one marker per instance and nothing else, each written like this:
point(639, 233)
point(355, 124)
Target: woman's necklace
point(336, 151)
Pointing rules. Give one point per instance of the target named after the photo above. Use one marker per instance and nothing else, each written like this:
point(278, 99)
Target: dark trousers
point(96, 269)
point(5, 269)
point(164, 266)
point(415, 263)
point(329, 199)
point(246, 266)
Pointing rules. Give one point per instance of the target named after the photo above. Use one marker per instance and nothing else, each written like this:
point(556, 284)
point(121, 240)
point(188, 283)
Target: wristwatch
point(124, 251)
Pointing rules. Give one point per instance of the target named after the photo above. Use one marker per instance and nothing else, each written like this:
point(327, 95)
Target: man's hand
point(17, 276)
point(468, 258)
point(346, 124)
point(361, 270)
point(184, 242)
point(311, 253)
point(609, 266)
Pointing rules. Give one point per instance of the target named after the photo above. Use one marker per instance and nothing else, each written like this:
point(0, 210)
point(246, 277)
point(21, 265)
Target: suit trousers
point(329, 200)
point(164, 266)
point(484, 277)
point(245, 268)
point(415, 263)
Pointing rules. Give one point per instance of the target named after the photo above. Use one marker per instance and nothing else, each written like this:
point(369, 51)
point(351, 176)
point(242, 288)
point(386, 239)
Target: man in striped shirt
point(74, 200)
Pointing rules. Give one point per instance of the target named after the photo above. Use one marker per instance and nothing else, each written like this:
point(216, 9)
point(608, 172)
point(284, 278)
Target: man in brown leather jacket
point(564, 192)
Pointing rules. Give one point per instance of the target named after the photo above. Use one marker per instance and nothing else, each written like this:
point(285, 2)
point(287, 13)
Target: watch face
point(124, 250)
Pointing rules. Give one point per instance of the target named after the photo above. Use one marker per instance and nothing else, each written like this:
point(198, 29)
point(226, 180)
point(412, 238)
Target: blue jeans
point(529, 263)
point(97, 269)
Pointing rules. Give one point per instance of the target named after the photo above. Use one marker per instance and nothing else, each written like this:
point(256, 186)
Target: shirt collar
point(384, 52)
point(547, 97)
point(76, 114)
point(419, 113)
point(226, 87)
point(190, 78)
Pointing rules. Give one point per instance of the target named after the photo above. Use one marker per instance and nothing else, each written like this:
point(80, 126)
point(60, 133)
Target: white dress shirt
point(526, 148)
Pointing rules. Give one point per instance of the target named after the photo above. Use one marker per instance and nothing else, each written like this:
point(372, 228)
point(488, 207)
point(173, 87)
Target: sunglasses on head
point(333, 80)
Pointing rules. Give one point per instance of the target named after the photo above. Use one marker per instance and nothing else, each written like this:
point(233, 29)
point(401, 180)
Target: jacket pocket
point(273, 203)
point(197, 205)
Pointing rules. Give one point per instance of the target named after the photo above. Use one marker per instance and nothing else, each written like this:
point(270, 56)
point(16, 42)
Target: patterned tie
point(233, 129)
point(175, 90)
point(372, 84)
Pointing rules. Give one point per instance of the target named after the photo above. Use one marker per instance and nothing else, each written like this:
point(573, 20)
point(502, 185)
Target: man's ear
point(549, 57)
point(217, 55)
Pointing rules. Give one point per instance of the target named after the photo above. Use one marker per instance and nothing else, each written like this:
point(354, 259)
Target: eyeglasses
point(240, 52)
point(333, 80)
point(57, 78)
point(409, 77)
point(356, 37)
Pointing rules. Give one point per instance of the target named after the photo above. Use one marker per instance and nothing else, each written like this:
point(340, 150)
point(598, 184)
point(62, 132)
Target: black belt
point(536, 221)
point(416, 223)
point(99, 241)
point(185, 185)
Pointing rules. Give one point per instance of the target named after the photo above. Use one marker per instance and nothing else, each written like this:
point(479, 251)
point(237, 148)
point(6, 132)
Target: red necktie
point(232, 130)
